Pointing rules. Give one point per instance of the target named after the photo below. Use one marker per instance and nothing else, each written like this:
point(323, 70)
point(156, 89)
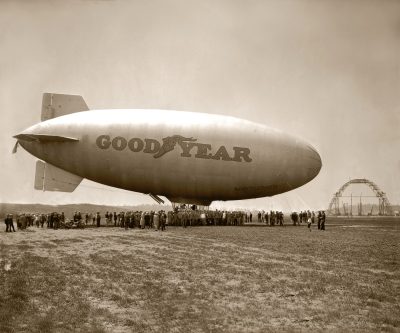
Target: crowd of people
point(271, 218)
point(158, 220)
point(308, 217)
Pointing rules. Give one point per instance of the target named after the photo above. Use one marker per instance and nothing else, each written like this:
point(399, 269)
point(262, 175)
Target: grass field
point(203, 279)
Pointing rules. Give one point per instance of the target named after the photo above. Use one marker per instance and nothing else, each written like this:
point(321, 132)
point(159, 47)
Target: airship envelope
point(185, 156)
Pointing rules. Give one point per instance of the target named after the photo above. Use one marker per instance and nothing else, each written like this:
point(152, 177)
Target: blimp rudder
point(56, 105)
point(50, 178)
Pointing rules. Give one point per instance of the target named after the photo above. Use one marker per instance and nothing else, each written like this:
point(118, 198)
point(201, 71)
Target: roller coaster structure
point(385, 208)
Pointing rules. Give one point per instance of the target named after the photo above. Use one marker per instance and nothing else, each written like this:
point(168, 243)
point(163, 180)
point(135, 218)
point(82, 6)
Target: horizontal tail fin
point(50, 178)
point(44, 138)
point(56, 105)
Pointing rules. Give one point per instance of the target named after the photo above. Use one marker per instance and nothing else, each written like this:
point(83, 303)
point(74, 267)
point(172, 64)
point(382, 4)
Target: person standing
point(126, 220)
point(319, 218)
point(6, 221)
point(163, 218)
point(156, 221)
point(295, 218)
point(323, 220)
point(36, 220)
point(23, 221)
point(98, 219)
point(224, 218)
point(151, 219)
point(142, 221)
point(309, 223)
point(48, 218)
point(9, 223)
point(122, 220)
point(56, 220)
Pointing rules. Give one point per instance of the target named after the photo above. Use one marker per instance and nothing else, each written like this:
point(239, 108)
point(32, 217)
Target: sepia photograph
point(199, 166)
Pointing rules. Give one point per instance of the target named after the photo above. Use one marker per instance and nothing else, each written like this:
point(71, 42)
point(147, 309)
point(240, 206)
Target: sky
point(326, 71)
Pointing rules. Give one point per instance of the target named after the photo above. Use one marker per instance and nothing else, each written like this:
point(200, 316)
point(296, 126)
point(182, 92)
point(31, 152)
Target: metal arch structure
point(385, 208)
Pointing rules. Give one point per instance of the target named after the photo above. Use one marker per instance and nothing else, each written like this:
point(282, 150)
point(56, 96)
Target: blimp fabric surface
point(274, 162)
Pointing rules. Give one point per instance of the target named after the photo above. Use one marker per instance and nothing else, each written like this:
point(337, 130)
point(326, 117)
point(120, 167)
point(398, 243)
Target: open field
point(203, 279)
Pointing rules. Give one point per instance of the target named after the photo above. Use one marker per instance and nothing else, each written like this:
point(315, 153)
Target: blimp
point(186, 157)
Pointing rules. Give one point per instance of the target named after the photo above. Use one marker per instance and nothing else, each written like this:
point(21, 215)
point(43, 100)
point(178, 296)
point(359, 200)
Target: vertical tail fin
point(56, 105)
point(50, 178)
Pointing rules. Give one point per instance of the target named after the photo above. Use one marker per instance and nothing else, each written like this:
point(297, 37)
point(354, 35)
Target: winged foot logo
point(188, 147)
point(170, 142)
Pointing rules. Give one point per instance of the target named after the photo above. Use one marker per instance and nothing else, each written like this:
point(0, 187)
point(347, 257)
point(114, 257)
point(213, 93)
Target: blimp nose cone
point(26, 134)
point(314, 162)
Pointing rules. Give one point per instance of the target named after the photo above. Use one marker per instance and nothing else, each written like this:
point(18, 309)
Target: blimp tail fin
point(43, 138)
point(50, 178)
point(56, 105)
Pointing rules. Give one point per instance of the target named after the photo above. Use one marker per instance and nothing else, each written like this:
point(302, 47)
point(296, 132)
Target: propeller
point(15, 147)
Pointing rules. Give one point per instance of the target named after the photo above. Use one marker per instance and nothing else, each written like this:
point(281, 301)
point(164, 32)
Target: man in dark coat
point(9, 223)
point(323, 221)
point(98, 218)
point(319, 218)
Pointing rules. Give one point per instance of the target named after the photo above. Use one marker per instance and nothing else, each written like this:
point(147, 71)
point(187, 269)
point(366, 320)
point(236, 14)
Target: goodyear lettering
point(119, 143)
point(136, 145)
point(103, 141)
point(221, 154)
point(241, 153)
point(152, 146)
point(188, 146)
point(202, 150)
